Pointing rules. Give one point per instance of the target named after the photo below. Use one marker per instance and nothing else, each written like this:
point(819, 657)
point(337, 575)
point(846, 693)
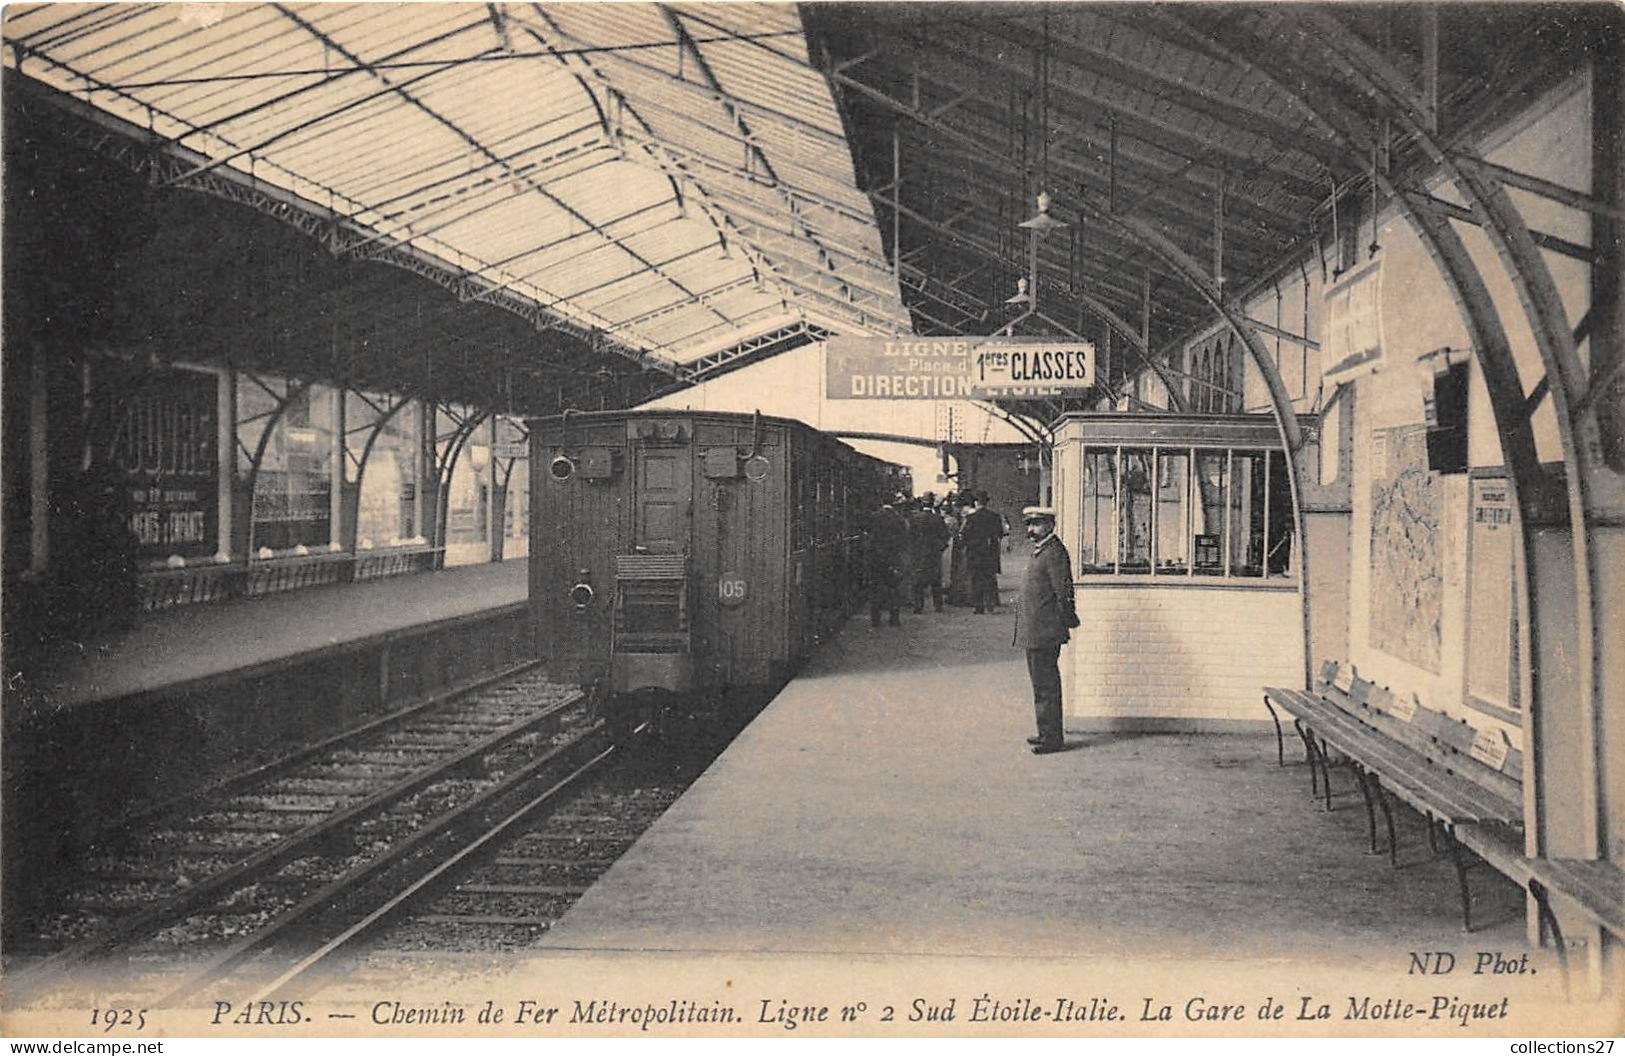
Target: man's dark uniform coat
point(1044, 623)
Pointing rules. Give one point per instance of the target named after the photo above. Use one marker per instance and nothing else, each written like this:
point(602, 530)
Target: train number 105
point(731, 589)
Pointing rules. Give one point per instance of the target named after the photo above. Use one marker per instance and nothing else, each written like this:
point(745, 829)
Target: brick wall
point(1176, 656)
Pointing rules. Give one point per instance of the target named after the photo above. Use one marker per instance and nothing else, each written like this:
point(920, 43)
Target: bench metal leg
point(1458, 860)
point(1433, 843)
point(1326, 774)
point(1308, 757)
point(1280, 749)
point(1548, 920)
point(1388, 817)
point(1364, 777)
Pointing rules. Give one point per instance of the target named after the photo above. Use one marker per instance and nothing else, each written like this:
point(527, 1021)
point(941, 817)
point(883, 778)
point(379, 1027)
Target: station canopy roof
point(668, 182)
point(691, 186)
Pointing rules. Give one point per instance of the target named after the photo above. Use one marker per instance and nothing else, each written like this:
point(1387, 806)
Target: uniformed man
point(1044, 622)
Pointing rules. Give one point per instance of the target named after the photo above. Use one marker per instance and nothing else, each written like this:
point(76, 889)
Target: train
point(693, 553)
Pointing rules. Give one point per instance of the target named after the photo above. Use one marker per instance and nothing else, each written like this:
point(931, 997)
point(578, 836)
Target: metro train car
point(692, 553)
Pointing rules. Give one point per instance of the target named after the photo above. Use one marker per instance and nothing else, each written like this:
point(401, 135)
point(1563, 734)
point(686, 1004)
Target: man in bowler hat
point(1044, 622)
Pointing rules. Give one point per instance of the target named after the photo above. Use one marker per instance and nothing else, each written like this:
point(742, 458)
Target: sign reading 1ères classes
point(952, 368)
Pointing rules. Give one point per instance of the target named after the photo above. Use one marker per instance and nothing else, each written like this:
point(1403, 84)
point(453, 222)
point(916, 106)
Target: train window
point(1175, 511)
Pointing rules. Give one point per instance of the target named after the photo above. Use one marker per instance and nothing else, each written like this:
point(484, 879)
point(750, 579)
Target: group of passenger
point(912, 540)
point(948, 549)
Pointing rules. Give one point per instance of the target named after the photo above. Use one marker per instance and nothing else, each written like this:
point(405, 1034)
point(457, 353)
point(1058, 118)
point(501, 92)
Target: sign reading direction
point(511, 449)
point(731, 590)
point(948, 368)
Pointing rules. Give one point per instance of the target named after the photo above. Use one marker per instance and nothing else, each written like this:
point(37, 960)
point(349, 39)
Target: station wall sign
point(950, 368)
point(164, 446)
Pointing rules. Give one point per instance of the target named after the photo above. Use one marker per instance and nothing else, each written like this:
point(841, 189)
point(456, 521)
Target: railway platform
point(174, 647)
point(885, 803)
point(201, 693)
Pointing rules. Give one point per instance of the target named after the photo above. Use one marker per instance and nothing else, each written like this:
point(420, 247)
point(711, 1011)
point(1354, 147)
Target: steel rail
point(352, 881)
point(198, 797)
point(426, 884)
point(258, 863)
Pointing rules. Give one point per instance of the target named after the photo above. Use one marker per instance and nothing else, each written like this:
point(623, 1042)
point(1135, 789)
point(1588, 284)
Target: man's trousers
point(1044, 669)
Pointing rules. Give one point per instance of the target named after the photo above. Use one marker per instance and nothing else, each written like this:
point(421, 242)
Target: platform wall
point(71, 773)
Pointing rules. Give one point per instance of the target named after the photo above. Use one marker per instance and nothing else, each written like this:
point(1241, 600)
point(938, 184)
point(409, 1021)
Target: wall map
point(1406, 581)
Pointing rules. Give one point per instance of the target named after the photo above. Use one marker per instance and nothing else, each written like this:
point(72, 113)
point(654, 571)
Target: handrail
point(168, 588)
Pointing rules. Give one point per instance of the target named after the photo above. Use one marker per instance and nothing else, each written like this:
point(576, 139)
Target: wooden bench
point(1465, 781)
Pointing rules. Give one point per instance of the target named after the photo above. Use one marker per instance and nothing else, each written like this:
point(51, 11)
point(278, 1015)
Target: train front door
point(653, 646)
point(664, 487)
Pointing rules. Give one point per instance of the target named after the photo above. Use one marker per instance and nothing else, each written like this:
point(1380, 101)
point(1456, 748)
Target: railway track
point(208, 878)
point(504, 890)
point(335, 909)
point(508, 894)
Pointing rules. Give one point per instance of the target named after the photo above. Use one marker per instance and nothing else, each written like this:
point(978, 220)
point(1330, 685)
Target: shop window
point(293, 492)
point(388, 505)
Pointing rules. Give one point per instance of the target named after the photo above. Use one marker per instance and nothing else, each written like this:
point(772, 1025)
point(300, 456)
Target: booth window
point(1185, 511)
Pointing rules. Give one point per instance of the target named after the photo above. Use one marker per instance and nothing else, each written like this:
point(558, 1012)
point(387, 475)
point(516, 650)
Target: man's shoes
point(980, 612)
point(1041, 748)
point(1035, 740)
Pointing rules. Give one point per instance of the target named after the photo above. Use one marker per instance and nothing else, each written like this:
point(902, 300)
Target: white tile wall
point(1166, 653)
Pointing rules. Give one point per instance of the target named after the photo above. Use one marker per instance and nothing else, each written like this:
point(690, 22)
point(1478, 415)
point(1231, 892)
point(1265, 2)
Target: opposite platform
point(187, 644)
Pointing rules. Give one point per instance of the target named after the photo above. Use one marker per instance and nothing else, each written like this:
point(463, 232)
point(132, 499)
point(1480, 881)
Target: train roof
point(729, 417)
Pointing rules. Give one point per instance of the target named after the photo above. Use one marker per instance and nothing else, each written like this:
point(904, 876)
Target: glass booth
point(1181, 532)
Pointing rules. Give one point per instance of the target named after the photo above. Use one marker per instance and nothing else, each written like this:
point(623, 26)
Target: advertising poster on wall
point(165, 445)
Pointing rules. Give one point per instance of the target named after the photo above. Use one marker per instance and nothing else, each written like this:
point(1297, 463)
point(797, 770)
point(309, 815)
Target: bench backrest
point(1479, 754)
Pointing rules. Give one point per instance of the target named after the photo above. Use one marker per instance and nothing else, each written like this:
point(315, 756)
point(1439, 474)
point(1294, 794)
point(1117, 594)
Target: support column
point(335, 494)
point(500, 475)
point(39, 467)
point(225, 470)
point(1607, 348)
point(428, 472)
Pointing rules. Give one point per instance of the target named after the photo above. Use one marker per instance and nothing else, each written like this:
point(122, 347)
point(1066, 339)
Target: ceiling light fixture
point(1043, 223)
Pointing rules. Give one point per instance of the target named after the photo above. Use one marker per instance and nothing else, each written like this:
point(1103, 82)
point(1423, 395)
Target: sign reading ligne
point(903, 368)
